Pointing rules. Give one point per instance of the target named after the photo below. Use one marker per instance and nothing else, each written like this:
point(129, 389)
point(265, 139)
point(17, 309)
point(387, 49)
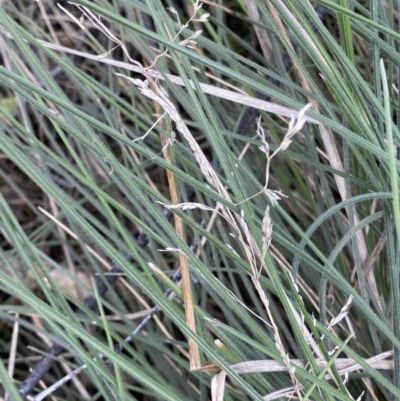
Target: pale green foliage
point(304, 271)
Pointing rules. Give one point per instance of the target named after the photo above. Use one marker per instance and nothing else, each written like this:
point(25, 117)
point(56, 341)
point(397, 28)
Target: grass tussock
point(199, 200)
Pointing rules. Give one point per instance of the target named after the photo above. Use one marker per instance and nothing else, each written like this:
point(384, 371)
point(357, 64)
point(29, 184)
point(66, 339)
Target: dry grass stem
point(343, 365)
point(233, 96)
